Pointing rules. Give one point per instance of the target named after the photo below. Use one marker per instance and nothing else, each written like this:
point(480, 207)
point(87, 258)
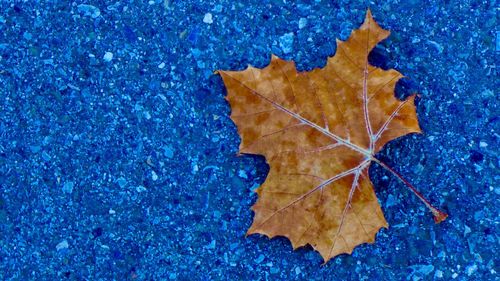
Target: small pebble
point(218, 8)
point(154, 176)
point(195, 168)
point(89, 10)
point(168, 152)
point(161, 65)
point(62, 245)
point(423, 269)
point(242, 174)
point(391, 201)
point(208, 18)
point(286, 42)
point(471, 269)
point(441, 255)
point(35, 148)
point(68, 187)
point(108, 56)
point(212, 245)
point(45, 156)
point(487, 94)
point(27, 36)
point(466, 230)
point(478, 215)
point(122, 182)
point(496, 189)
point(297, 270)
point(302, 23)
point(233, 246)
point(196, 53)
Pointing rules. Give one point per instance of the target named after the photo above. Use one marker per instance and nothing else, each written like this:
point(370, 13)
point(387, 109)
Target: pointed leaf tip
point(369, 14)
point(376, 33)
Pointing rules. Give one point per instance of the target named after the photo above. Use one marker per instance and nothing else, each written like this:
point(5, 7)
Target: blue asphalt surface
point(118, 158)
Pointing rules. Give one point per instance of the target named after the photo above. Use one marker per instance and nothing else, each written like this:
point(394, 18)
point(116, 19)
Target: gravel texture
point(118, 159)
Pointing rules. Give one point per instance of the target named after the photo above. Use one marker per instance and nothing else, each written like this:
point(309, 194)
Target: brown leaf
point(319, 132)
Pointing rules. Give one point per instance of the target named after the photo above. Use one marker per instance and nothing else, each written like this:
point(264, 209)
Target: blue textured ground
point(117, 156)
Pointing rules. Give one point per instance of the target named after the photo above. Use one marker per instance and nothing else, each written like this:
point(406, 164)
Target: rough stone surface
point(124, 170)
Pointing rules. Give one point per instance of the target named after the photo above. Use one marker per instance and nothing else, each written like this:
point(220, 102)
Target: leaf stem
point(439, 216)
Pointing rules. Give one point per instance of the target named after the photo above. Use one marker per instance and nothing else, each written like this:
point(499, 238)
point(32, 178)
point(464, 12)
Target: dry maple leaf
point(319, 132)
